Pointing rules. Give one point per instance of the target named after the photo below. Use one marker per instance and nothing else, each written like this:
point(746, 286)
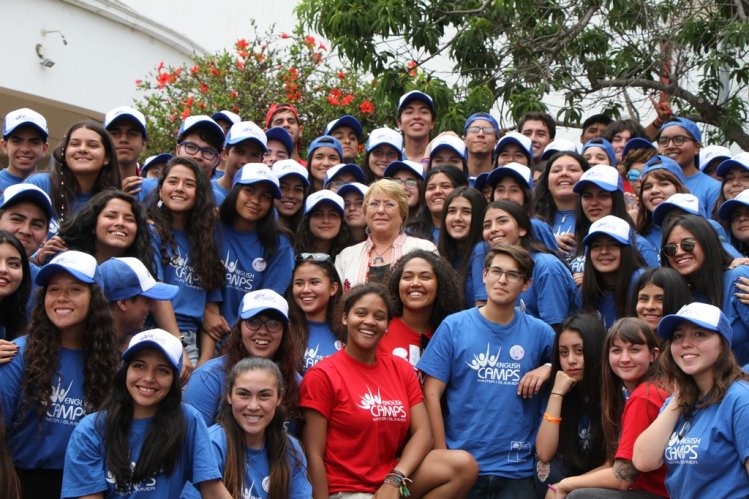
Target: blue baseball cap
point(612, 226)
point(636, 143)
point(353, 187)
point(687, 124)
point(204, 122)
point(325, 141)
point(727, 208)
point(127, 277)
point(155, 160)
point(481, 181)
point(450, 142)
point(604, 144)
point(246, 130)
point(80, 265)
point(521, 173)
point(409, 166)
point(345, 120)
point(226, 115)
point(660, 162)
point(684, 201)
point(252, 173)
point(414, 95)
point(558, 145)
point(286, 167)
point(255, 302)
point(323, 196)
point(25, 117)
point(351, 168)
point(514, 138)
point(26, 192)
point(280, 134)
point(741, 160)
point(161, 340)
point(702, 315)
point(603, 176)
point(385, 136)
point(126, 113)
point(481, 116)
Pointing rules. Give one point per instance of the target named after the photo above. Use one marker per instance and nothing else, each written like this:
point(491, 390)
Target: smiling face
point(618, 141)
point(655, 191)
point(323, 158)
point(254, 201)
point(67, 302)
point(416, 120)
point(508, 188)
point(116, 226)
point(292, 196)
point(312, 290)
point(418, 285)
point(740, 223)
point(179, 190)
point(261, 342)
point(11, 270)
point(28, 222)
point(404, 178)
point(325, 222)
point(380, 157)
point(238, 155)
point(458, 218)
point(436, 191)
point(563, 175)
point(596, 156)
point(149, 379)
point(596, 203)
point(683, 154)
point(128, 140)
point(480, 142)
point(649, 305)
point(365, 323)
point(349, 142)
point(85, 154)
point(25, 147)
point(630, 361)
point(686, 263)
point(539, 134)
point(736, 180)
point(605, 255)
point(500, 227)
point(571, 357)
point(353, 210)
point(383, 215)
point(253, 399)
point(696, 350)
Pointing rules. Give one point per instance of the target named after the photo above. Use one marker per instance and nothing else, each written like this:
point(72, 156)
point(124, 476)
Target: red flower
point(235, 109)
point(234, 94)
point(309, 40)
point(322, 46)
point(185, 113)
point(177, 72)
point(284, 36)
point(203, 88)
point(160, 66)
point(195, 70)
point(366, 107)
point(173, 118)
point(259, 57)
point(201, 105)
point(293, 72)
point(347, 100)
point(411, 64)
point(317, 57)
point(341, 75)
point(243, 54)
point(162, 79)
point(138, 83)
point(240, 64)
point(215, 72)
point(412, 73)
point(242, 44)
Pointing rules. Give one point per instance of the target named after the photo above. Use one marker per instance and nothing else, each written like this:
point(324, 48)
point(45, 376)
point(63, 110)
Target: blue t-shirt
point(147, 187)
point(541, 232)
point(481, 363)
point(219, 193)
point(44, 182)
point(87, 472)
point(321, 343)
point(257, 469)
point(707, 190)
point(737, 312)
point(248, 268)
point(7, 179)
point(190, 302)
point(707, 453)
point(647, 251)
point(205, 388)
point(32, 446)
point(606, 305)
point(475, 289)
point(564, 222)
point(552, 291)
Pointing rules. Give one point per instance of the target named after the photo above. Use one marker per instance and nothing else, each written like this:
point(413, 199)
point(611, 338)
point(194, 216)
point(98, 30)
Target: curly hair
point(544, 206)
point(276, 440)
point(449, 299)
point(163, 442)
point(200, 227)
point(286, 357)
point(64, 184)
point(13, 307)
point(306, 241)
point(77, 231)
point(42, 354)
point(298, 323)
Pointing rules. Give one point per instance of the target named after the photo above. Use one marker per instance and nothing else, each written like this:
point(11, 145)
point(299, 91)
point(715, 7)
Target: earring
point(160, 203)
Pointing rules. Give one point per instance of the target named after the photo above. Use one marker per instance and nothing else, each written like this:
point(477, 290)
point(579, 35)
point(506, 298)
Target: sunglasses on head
point(686, 244)
point(317, 257)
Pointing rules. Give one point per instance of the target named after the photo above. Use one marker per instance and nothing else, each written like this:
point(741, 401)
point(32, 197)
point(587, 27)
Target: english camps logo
point(236, 277)
point(382, 410)
point(148, 485)
point(64, 409)
point(489, 369)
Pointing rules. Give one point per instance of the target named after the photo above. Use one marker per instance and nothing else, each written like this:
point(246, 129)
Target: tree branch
point(477, 10)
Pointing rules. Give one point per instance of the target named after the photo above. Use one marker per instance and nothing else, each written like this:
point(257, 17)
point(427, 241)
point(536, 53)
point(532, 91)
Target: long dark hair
point(583, 223)
point(422, 225)
point(286, 357)
point(449, 299)
point(629, 330)
point(305, 240)
point(276, 440)
point(676, 291)
point(298, 323)
point(709, 276)
point(163, 442)
point(42, 354)
point(64, 185)
point(76, 232)
point(267, 228)
point(200, 227)
point(9, 481)
point(594, 287)
point(644, 220)
point(585, 397)
point(456, 253)
point(13, 307)
point(544, 206)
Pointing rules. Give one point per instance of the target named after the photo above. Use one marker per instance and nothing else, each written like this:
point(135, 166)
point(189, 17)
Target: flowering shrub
point(259, 70)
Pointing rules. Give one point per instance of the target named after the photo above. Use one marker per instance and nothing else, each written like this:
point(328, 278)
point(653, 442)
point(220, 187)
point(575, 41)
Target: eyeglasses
point(633, 175)
point(678, 140)
point(316, 257)
point(272, 325)
point(686, 244)
point(409, 183)
point(208, 153)
point(337, 183)
point(487, 130)
point(387, 205)
point(512, 276)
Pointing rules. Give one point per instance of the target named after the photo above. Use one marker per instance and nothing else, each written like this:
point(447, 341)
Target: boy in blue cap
point(24, 142)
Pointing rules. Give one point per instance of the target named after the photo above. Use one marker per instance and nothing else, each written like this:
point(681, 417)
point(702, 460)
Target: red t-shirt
point(368, 409)
point(402, 341)
point(641, 409)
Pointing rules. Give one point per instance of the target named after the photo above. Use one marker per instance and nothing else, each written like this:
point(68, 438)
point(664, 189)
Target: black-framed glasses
point(633, 175)
point(512, 276)
point(316, 257)
point(678, 140)
point(488, 130)
point(272, 325)
point(208, 153)
point(687, 244)
point(408, 182)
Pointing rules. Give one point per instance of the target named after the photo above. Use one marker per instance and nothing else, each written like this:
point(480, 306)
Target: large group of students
point(501, 314)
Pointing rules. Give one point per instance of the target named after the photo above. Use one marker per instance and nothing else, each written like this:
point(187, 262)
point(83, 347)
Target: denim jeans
point(497, 487)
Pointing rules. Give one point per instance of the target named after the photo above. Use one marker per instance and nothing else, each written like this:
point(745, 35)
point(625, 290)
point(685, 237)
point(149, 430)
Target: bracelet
point(398, 480)
point(557, 393)
point(552, 419)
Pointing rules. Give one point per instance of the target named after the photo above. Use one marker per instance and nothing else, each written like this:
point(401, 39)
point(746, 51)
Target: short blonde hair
point(391, 189)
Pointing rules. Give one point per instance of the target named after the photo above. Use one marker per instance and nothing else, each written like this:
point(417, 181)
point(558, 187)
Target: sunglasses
point(317, 257)
point(686, 244)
